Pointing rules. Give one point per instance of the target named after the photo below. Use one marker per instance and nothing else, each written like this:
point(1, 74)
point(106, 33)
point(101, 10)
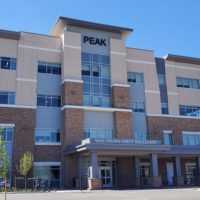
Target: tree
point(25, 165)
point(4, 162)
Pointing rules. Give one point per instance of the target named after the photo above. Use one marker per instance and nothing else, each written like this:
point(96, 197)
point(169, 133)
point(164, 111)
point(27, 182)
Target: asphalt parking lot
point(158, 194)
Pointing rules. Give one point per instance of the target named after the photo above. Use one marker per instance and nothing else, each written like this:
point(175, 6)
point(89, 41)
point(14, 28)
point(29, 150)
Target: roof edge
point(12, 35)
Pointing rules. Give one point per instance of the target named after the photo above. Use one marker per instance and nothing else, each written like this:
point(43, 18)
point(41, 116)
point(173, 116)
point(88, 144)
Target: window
point(47, 172)
point(141, 135)
point(191, 138)
point(135, 77)
point(161, 79)
point(96, 80)
point(49, 68)
point(7, 134)
point(138, 107)
point(187, 83)
point(7, 98)
point(167, 137)
point(8, 63)
point(164, 108)
point(98, 133)
point(48, 100)
point(47, 135)
point(189, 110)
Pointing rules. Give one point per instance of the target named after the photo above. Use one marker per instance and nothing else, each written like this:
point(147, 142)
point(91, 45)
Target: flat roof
point(64, 21)
point(182, 59)
point(12, 35)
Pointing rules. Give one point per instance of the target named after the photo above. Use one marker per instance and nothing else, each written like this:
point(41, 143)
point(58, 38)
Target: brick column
point(178, 179)
point(72, 93)
point(120, 97)
point(155, 180)
point(123, 125)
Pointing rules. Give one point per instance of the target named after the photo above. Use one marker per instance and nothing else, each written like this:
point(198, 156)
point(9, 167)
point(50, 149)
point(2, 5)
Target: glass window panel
point(95, 88)
point(86, 100)
point(55, 172)
point(11, 98)
point(96, 80)
point(56, 102)
point(185, 140)
point(105, 81)
point(105, 72)
point(3, 98)
point(86, 70)
point(96, 71)
point(106, 101)
point(105, 89)
point(86, 78)
point(185, 83)
point(47, 136)
point(41, 100)
point(55, 136)
point(4, 134)
point(13, 63)
point(161, 79)
point(139, 78)
point(96, 101)
point(49, 69)
point(48, 101)
point(179, 82)
point(86, 57)
point(42, 68)
point(95, 58)
point(86, 87)
point(9, 134)
point(5, 63)
point(105, 60)
point(196, 84)
point(56, 70)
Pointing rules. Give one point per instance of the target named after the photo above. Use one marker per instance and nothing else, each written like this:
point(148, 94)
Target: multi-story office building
point(87, 106)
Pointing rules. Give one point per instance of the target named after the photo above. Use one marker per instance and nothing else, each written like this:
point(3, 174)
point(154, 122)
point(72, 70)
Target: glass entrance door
point(190, 169)
point(106, 176)
point(145, 174)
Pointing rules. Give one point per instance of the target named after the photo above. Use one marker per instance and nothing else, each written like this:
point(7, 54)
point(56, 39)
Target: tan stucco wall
point(8, 47)
point(118, 61)
point(185, 96)
point(71, 55)
point(142, 61)
point(7, 80)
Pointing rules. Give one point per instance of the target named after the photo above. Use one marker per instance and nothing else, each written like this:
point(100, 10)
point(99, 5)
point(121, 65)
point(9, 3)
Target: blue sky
point(165, 26)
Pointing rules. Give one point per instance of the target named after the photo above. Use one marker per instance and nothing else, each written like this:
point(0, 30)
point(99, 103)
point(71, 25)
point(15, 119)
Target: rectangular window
point(8, 63)
point(47, 135)
point(164, 108)
point(138, 107)
point(161, 79)
point(141, 135)
point(98, 133)
point(7, 97)
point(189, 110)
point(167, 137)
point(96, 80)
point(49, 68)
point(48, 100)
point(135, 77)
point(191, 138)
point(187, 82)
point(7, 134)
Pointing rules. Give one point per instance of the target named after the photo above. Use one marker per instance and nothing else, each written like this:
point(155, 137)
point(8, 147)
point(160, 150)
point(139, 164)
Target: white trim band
point(48, 144)
point(120, 85)
point(152, 91)
point(39, 48)
point(72, 80)
point(16, 106)
point(175, 116)
point(7, 125)
point(101, 109)
point(47, 163)
point(182, 67)
point(190, 132)
point(118, 53)
point(72, 46)
point(140, 61)
point(26, 79)
point(172, 93)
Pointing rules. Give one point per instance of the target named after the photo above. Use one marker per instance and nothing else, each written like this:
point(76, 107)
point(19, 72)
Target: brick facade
point(24, 131)
point(47, 153)
point(72, 93)
point(156, 125)
point(120, 97)
point(125, 172)
point(123, 125)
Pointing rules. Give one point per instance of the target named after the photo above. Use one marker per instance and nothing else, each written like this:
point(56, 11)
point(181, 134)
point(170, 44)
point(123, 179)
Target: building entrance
point(106, 176)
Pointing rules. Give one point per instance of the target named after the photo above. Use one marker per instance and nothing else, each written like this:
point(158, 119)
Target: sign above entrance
point(121, 141)
point(94, 41)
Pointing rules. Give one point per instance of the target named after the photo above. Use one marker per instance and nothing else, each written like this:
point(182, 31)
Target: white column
point(177, 166)
point(154, 164)
point(93, 165)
